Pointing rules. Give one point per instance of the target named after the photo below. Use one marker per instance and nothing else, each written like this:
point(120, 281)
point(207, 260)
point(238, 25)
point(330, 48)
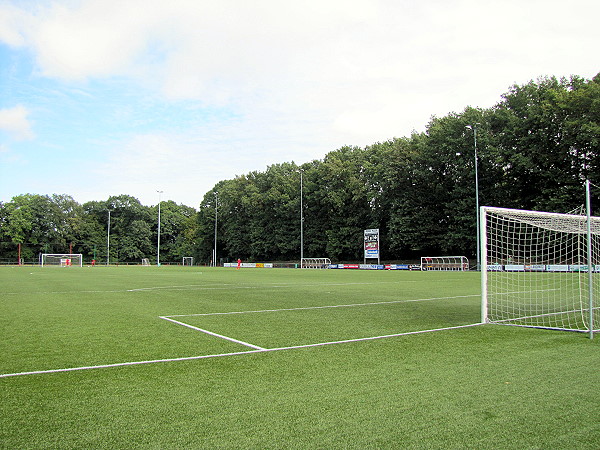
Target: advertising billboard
point(372, 244)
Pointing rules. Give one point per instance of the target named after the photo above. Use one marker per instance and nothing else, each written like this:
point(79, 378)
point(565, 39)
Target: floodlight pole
point(108, 240)
point(216, 215)
point(301, 220)
point(474, 128)
point(158, 245)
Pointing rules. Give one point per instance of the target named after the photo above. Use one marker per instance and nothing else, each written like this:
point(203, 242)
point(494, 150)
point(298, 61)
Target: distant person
point(239, 264)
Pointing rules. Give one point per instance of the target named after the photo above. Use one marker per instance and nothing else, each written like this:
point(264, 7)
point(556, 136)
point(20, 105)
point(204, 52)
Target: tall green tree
point(131, 236)
point(544, 133)
point(174, 236)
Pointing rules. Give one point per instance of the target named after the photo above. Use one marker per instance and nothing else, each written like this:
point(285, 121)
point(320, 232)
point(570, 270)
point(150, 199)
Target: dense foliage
point(535, 148)
point(58, 224)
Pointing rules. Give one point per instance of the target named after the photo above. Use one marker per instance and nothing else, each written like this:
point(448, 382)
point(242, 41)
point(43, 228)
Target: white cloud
point(186, 167)
point(15, 122)
point(14, 22)
point(296, 79)
point(229, 51)
point(97, 39)
point(142, 164)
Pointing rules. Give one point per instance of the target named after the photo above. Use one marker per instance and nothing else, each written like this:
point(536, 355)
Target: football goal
point(61, 259)
point(539, 269)
point(145, 262)
point(188, 261)
point(315, 263)
point(444, 263)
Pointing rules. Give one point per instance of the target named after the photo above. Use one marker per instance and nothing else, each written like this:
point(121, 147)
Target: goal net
point(315, 263)
point(61, 259)
point(188, 261)
point(539, 269)
point(145, 262)
point(444, 263)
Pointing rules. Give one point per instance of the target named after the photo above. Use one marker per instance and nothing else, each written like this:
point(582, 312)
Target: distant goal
point(315, 263)
point(61, 259)
point(187, 261)
point(455, 263)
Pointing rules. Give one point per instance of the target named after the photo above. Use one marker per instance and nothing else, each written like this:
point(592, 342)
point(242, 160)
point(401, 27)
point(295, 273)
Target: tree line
point(535, 148)
point(33, 224)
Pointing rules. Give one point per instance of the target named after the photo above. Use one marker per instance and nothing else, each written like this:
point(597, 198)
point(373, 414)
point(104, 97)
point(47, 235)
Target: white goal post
point(61, 259)
point(315, 263)
point(145, 262)
point(460, 263)
point(540, 269)
point(188, 261)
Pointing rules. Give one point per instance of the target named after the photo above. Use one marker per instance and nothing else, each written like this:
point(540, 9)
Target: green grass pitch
point(187, 357)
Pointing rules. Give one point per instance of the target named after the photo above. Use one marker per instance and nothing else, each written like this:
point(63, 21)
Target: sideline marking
point(190, 358)
point(131, 363)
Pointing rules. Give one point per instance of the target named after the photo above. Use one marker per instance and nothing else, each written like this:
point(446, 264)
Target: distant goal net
point(458, 263)
point(61, 259)
point(315, 263)
point(540, 269)
point(187, 261)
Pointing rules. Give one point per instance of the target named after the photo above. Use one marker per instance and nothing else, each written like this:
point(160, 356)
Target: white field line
point(204, 287)
point(155, 288)
point(256, 347)
point(122, 364)
point(324, 307)
point(265, 350)
point(274, 286)
point(345, 341)
point(181, 287)
point(108, 291)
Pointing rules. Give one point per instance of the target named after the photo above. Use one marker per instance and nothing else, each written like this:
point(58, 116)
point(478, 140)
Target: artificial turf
point(477, 387)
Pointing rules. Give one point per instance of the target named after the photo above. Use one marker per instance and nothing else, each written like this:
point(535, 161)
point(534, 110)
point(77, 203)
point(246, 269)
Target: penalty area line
point(256, 347)
point(219, 355)
point(305, 308)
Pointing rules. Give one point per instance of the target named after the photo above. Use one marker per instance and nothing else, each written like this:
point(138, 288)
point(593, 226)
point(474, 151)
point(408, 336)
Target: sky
point(110, 97)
